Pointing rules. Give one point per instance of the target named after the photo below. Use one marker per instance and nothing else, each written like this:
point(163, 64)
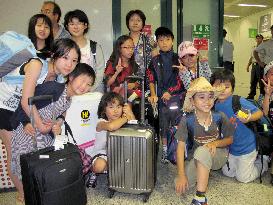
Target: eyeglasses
point(128, 47)
point(46, 12)
point(76, 24)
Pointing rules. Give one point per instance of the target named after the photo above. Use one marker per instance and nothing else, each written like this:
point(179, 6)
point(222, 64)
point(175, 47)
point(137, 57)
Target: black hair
point(107, 98)
point(31, 30)
point(224, 33)
point(133, 12)
point(63, 46)
point(78, 14)
point(163, 31)
point(259, 36)
point(83, 69)
point(223, 75)
point(56, 9)
point(117, 51)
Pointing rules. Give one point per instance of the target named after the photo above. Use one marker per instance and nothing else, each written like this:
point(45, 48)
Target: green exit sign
point(201, 31)
point(252, 32)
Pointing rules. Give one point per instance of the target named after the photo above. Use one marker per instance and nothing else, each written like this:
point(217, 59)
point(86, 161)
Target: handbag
point(86, 158)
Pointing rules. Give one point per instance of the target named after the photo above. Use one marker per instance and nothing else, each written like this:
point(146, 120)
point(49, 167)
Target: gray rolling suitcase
point(131, 152)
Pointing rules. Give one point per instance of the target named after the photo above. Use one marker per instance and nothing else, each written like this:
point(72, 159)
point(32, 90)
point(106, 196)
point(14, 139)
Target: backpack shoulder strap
point(198, 68)
point(236, 105)
point(93, 47)
point(217, 118)
point(190, 124)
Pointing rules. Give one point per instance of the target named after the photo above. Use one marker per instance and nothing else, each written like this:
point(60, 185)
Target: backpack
point(15, 49)
point(93, 47)
point(262, 129)
point(173, 142)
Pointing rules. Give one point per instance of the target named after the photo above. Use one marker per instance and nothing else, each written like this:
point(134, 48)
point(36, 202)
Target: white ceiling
point(231, 8)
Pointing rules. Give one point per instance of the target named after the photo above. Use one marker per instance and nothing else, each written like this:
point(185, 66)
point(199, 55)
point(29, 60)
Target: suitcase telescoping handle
point(142, 102)
point(31, 102)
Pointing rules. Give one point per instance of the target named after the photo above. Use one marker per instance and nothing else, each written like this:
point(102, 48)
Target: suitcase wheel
point(110, 193)
point(146, 197)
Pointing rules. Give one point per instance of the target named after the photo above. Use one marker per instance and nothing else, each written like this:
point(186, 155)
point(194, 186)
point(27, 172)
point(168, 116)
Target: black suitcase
point(53, 177)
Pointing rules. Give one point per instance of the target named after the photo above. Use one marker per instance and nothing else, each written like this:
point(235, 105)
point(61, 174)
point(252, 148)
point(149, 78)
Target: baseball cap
point(268, 67)
point(186, 47)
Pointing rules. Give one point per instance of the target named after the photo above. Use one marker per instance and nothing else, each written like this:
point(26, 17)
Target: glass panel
point(174, 22)
point(150, 8)
point(209, 10)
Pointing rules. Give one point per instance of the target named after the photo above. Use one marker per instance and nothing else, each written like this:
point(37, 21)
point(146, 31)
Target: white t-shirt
point(261, 56)
point(86, 55)
point(227, 51)
point(266, 49)
point(98, 65)
point(101, 140)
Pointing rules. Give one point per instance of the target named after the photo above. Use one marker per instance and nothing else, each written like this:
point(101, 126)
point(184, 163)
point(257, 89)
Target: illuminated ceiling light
point(231, 16)
point(254, 5)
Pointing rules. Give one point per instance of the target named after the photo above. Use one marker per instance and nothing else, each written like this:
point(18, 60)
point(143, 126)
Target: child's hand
point(119, 90)
point(243, 120)
point(267, 87)
point(119, 66)
point(56, 129)
point(181, 67)
point(166, 96)
point(243, 117)
point(181, 184)
point(29, 130)
point(131, 86)
point(212, 147)
point(153, 99)
point(127, 111)
point(45, 127)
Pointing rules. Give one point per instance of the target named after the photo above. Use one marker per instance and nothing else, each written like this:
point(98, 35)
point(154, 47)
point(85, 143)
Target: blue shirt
point(244, 140)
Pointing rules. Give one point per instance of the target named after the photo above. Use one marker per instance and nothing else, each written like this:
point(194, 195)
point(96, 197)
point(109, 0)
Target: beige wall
point(150, 8)
point(202, 12)
point(237, 32)
point(15, 16)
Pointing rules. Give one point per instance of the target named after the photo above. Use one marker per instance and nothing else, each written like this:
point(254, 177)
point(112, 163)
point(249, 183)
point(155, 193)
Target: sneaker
point(91, 180)
point(164, 159)
point(196, 202)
